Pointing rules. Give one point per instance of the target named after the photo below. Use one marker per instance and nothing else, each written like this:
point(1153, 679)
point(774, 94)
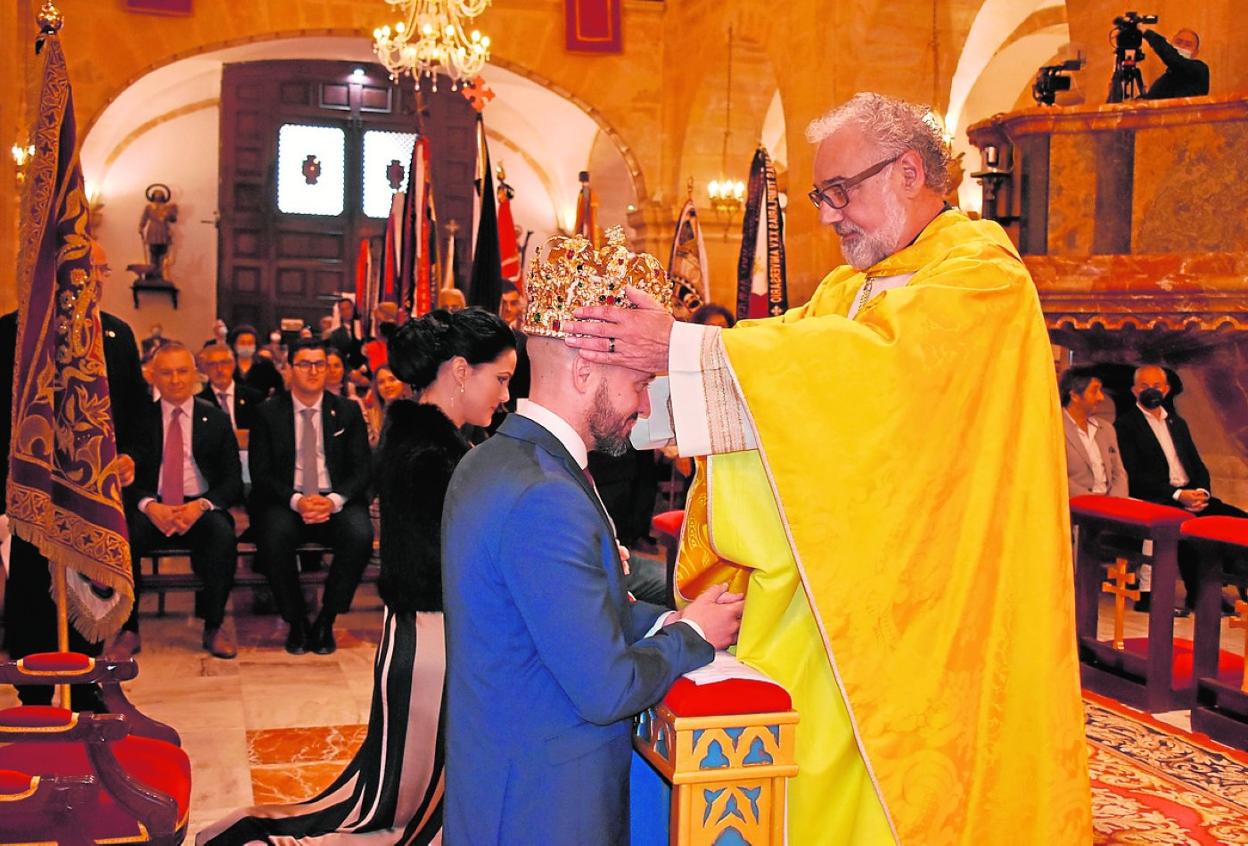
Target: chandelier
point(726, 194)
point(430, 39)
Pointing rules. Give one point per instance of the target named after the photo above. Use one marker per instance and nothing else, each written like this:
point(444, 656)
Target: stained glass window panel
point(311, 169)
point(387, 158)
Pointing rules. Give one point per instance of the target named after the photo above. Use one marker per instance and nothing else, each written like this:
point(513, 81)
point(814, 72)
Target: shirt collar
point(558, 427)
point(166, 408)
point(1148, 414)
point(300, 407)
point(1092, 424)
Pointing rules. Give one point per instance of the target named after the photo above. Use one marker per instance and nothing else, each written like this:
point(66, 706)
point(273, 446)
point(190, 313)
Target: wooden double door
point(311, 153)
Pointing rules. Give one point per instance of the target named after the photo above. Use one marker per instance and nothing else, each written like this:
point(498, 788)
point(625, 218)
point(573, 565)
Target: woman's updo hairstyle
point(419, 347)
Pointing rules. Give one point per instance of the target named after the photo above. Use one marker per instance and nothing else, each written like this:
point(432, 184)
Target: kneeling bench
point(725, 748)
point(1221, 709)
point(1144, 681)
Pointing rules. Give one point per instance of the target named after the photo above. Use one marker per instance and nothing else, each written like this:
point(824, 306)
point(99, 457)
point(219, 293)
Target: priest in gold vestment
point(886, 480)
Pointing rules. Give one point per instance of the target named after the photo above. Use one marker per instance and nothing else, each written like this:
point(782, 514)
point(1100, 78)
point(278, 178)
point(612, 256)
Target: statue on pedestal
point(155, 228)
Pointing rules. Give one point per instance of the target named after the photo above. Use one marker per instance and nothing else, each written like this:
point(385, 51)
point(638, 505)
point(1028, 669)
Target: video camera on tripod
point(1051, 79)
point(1127, 83)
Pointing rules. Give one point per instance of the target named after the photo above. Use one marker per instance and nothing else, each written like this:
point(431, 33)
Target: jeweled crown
point(573, 274)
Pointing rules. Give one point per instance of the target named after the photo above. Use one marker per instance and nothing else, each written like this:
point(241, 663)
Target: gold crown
point(573, 274)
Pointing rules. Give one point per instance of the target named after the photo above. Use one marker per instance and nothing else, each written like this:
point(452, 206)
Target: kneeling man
point(548, 658)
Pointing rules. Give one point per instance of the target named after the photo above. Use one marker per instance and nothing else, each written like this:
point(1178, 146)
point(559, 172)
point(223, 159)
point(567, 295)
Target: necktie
point(308, 484)
point(224, 399)
point(171, 466)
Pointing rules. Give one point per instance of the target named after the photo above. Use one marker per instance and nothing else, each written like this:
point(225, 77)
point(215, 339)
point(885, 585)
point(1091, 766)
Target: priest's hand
point(637, 338)
point(717, 612)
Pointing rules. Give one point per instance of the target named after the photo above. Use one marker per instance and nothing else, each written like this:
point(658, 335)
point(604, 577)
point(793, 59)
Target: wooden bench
point(161, 583)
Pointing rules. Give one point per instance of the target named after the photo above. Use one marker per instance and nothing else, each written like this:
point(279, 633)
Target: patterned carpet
point(1155, 784)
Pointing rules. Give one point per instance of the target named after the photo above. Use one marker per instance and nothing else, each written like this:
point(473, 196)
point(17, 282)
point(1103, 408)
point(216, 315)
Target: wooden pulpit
point(712, 760)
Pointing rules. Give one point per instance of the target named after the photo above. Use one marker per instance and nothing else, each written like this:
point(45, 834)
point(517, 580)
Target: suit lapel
point(522, 428)
point(330, 423)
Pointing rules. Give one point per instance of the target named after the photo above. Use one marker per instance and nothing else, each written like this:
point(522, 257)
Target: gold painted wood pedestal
point(727, 773)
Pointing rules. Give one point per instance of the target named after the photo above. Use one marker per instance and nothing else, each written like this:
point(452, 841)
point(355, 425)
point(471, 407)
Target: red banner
point(593, 26)
point(160, 7)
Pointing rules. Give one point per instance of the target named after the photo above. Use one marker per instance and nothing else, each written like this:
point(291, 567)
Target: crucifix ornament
point(1119, 578)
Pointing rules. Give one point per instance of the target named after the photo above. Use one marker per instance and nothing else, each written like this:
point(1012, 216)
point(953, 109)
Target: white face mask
point(1187, 54)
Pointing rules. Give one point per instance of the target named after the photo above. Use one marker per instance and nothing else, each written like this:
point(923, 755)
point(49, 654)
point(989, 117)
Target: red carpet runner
point(1153, 783)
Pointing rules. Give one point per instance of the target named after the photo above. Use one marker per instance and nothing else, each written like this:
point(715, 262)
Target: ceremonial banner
point(417, 247)
point(64, 492)
point(687, 266)
point(392, 256)
point(508, 249)
point(486, 287)
point(363, 270)
point(593, 26)
point(587, 213)
point(762, 289)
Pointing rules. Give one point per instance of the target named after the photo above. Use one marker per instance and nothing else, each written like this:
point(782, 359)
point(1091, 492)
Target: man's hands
point(717, 612)
point(314, 508)
point(172, 520)
point(625, 337)
point(1194, 500)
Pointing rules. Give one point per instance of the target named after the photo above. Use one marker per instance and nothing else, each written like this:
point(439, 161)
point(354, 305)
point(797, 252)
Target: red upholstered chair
point(118, 777)
point(666, 528)
point(1110, 528)
point(1221, 709)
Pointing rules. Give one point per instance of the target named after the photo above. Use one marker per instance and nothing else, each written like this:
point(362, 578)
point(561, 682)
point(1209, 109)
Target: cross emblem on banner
point(394, 175)
point(1240, 621)
point(1117, 585)
point(477, 93)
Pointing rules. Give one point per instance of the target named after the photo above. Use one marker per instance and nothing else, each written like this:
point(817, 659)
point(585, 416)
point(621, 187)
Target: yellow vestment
point(905, 534)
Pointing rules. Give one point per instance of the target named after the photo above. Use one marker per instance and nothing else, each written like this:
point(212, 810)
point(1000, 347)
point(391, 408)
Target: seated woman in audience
point(458, 365)
point(336, 373)
point(386, 388)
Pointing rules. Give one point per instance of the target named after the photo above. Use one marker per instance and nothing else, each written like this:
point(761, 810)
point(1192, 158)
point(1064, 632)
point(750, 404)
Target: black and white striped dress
point(391, 792)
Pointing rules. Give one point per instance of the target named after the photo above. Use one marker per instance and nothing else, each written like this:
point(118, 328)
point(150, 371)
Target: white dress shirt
point(193, 481)
point(575, 445)
point(322, 470)
point(1100, 482)
point(1178, 474)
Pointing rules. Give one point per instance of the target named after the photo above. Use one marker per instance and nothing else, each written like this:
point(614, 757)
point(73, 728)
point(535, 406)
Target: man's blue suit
point(547, 659)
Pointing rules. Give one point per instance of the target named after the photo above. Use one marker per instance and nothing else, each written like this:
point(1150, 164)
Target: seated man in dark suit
point(237, 400)
point(1163, 464)
point(310, 471)
point(187, 476)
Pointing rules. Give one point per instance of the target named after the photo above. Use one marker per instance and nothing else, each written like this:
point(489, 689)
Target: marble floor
point(272, 727)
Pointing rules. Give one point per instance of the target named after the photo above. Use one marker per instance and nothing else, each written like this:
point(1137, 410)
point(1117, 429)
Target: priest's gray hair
point(896, 126)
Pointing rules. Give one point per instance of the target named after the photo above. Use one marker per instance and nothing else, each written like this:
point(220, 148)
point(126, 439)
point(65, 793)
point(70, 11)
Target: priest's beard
point(608, 427)
point(862, 249)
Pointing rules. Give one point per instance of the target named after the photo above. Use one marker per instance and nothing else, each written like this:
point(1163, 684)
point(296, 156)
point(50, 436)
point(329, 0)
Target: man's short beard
point(869, 249)
point(609, 432)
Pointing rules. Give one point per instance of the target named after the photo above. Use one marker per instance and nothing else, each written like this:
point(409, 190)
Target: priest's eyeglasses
point(836, 193)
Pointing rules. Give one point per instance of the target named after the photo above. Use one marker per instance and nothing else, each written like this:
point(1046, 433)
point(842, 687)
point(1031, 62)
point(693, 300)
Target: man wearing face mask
point(255, 372)
point(1185, 75)
point(1163, 464)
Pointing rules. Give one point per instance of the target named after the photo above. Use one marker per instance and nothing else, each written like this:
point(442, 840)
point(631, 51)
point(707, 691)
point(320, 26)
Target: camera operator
point(1185, 76)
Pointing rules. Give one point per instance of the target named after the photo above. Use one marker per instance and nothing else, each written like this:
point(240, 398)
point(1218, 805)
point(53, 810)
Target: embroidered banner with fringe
point(64, 490)
point(762, 287)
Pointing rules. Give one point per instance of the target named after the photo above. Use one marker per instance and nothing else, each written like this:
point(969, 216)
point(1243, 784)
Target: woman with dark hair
point(714, 314)
point(458, 366)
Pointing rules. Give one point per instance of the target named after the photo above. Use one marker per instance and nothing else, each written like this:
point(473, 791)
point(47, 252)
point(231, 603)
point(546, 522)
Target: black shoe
point(1181, 612)
point(1228, 608)
point(321, 640)
point(297, 639)
point(1144, 602)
